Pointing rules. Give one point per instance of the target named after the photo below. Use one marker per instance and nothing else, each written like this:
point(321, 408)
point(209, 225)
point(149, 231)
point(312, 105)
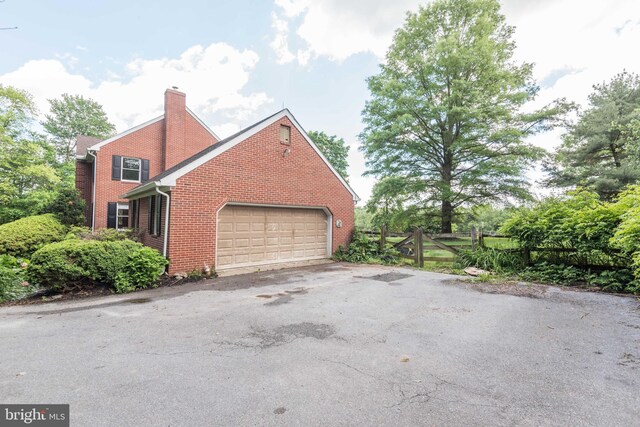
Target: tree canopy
point(334, 149)
point(74, 115)
point(28, 176)
point(446, 108)
point(601, 150)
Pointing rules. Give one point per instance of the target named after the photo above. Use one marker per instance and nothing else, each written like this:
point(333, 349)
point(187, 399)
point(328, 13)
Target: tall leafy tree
point(28, 177)
point(446, 108)
point(74, 115)
point(334, 149)
point(601, 150)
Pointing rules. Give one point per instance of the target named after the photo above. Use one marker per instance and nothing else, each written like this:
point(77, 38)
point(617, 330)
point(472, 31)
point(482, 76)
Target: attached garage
point(257, 235)
point(264, 195)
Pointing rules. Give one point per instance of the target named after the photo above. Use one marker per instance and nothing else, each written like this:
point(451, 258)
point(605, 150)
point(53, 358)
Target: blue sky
point(239, 61)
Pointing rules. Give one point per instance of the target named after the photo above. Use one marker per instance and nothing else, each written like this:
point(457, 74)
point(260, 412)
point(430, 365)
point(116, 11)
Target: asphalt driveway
point(335, 344)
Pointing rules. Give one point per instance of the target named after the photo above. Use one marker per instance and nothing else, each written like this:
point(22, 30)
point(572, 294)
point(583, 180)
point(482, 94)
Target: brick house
point(105, 170)
point(261, 196)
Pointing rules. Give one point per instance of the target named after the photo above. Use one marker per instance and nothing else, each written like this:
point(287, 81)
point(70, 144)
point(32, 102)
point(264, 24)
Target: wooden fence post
point(481, 238)
point(473, 238)
point(526, 256)
point(419, 243)
point(383, 237)
point(415, 246)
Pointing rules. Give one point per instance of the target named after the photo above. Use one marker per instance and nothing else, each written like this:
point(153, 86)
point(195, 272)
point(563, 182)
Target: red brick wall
point(174, 127)
point(84, 184)
point(254, 171)
point(145, 143)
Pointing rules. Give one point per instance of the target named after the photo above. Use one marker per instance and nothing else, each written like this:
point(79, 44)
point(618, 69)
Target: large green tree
point(446, 108)
point(74, 115)
point(28, 177)
point(334, 149)
point(601, 150)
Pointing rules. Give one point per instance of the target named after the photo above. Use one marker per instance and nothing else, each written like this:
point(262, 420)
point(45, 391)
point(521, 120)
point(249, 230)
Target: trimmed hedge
point(23, 237)
point(125, 265)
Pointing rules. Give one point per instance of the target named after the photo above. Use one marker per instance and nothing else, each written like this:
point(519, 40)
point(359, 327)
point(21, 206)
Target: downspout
point(93, 190)
point(166, 222)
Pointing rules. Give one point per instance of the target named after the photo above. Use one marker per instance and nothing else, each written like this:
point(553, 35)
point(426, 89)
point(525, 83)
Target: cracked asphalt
point(335, 344)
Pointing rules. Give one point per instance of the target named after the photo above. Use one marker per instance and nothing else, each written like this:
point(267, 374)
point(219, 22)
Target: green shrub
point(102, 234)
point(144, 267)
point(67, 206)
point(365, 250)
point(490, 259)
point(13, 278)
point(73, 263)
point(23, 237)
point(555, 274)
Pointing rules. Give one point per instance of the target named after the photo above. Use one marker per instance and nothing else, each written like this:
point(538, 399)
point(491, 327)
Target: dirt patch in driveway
point(518, 289)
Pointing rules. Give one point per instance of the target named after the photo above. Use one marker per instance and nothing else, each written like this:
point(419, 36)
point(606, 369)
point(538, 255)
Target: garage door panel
point(252, 234)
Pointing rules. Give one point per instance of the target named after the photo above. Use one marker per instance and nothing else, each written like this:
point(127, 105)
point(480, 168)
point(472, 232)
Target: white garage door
point(250, 235)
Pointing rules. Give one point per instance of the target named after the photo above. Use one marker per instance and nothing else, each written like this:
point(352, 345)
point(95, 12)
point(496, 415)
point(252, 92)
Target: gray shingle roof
point(83, 142)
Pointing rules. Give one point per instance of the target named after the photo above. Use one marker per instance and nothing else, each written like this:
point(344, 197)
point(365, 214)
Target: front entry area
point(257, 235)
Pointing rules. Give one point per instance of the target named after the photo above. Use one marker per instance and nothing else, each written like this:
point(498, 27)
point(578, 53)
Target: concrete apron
point(269, 267)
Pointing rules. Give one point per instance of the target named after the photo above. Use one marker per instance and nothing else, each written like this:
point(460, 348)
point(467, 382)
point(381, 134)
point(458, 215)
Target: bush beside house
point(40, 251)
point(125, 265)
point(13, 278)
point(23, 237)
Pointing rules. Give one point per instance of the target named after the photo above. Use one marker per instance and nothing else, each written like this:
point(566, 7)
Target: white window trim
point(118, 216)
point(122, 169)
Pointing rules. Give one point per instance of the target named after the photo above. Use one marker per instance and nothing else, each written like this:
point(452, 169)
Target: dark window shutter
point(112, 213)
point(144, 176)
point(116, 164)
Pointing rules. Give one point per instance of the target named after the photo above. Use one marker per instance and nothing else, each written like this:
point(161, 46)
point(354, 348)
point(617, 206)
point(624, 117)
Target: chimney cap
point(174, 87)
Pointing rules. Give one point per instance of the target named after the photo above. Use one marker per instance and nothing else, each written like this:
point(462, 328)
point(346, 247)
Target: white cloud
point(338, 29)
point(213, 78)
point(280, 44)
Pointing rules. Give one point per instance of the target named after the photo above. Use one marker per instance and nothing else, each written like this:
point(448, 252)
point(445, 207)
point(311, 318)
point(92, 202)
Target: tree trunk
point(447, 216)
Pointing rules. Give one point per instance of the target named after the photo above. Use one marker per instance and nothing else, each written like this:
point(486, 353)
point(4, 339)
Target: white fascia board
point(97, 146)
point(203, 124)
point(170, 180)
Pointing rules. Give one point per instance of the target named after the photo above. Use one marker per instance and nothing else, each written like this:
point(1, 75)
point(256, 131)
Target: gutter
point(93, 190)
point(166, 221)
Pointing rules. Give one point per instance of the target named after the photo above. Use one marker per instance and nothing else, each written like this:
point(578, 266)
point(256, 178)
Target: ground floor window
point(123, 216)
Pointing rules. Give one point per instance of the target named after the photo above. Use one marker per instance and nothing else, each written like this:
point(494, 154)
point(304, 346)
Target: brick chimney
point(175, 116)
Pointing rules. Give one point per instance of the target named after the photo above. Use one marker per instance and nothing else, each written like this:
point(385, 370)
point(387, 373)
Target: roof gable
point(169, 177)
point(96, 146)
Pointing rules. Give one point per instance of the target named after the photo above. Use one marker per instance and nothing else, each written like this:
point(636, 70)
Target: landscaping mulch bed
point(88, 291)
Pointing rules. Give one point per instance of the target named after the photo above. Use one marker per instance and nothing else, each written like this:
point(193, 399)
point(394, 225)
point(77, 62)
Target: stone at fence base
point(473, 271)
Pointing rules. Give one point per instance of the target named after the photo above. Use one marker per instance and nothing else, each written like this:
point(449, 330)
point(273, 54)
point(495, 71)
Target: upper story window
point(285, 135)
point(131, 168)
